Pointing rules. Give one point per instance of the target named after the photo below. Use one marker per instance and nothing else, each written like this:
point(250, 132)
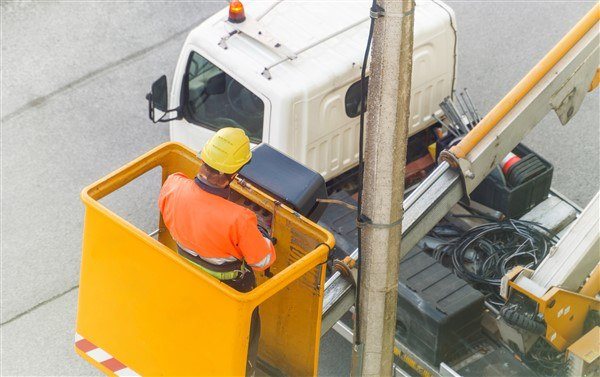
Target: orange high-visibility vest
point(211, 226)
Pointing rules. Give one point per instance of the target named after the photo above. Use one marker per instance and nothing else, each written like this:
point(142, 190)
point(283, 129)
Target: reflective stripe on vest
point(217, 261)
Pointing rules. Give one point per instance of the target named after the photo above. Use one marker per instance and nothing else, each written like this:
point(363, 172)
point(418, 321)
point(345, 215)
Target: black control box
point(286, 180)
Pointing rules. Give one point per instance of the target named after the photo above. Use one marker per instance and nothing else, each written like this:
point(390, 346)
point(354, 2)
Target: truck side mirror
point(159, 94)
point(216, 84)
point(158, 102)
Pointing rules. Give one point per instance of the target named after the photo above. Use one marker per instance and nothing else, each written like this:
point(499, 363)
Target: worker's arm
point(257, 250)
point(167, 191)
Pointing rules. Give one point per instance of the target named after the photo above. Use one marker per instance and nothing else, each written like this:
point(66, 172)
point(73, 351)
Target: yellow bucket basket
point(154, 313)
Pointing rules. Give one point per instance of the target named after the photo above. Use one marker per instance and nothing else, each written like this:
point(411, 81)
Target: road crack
point(39, 305)
point(41, 100)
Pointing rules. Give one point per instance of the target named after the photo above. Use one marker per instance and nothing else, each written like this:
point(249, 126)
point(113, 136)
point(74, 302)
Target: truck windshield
point(215, 100)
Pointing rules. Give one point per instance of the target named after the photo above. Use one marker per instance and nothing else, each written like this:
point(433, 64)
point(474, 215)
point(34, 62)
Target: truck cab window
point(215, 100)
point(353, 98)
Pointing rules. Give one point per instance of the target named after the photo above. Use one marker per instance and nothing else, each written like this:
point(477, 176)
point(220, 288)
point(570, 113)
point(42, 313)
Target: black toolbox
point(439, 314)
point(514, 202)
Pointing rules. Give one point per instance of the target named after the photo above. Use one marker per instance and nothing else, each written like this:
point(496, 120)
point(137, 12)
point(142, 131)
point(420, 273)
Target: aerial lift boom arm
point(558, 82)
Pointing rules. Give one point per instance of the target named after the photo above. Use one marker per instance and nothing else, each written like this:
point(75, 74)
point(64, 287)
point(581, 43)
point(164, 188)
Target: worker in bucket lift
point(220, 237)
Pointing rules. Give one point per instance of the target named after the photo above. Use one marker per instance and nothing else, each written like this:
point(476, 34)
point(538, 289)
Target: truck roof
point(297, 25)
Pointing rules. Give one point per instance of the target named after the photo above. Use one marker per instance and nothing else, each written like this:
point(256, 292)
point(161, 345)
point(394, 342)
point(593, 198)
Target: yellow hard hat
point(227, 151)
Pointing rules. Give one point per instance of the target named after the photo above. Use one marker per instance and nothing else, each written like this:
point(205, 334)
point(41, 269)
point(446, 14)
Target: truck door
point(212, 99)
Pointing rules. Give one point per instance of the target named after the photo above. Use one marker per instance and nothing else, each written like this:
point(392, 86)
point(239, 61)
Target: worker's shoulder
point(173, 183)
point(176, 180)
point(177, 177)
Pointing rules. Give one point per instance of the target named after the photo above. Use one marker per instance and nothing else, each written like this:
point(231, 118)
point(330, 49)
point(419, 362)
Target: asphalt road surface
point(74, 76)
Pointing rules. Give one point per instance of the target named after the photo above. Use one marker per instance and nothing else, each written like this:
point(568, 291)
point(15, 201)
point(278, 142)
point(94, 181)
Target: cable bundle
point(545, 360)
point(484, 254)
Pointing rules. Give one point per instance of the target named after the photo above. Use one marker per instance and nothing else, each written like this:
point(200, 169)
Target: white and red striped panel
point(102, 357)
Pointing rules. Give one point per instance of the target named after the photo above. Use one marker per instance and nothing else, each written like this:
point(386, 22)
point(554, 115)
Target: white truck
point(289, 75)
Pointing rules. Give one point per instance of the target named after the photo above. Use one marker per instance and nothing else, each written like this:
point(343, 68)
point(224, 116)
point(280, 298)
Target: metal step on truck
point(499, 274)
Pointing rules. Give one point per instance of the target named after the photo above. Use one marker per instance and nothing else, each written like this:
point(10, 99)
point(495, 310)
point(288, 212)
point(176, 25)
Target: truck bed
point(485, 355)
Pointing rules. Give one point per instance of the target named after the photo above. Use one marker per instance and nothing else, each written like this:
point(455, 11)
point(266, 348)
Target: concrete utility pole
point(386, 136)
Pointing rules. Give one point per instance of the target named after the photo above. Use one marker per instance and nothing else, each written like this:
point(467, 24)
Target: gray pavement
point(42, 342)
point(56, 141)
point(499, 42)
point(74, 76)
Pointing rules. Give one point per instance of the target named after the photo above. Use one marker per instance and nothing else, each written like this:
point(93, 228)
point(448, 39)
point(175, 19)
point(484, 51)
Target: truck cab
point(289, 76)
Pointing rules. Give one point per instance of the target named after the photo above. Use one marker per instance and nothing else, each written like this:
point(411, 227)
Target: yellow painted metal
point(587, 348)
point(595, 80)
point(160, 315)
point(564, 313)
point(592, 285)
point(414, 365)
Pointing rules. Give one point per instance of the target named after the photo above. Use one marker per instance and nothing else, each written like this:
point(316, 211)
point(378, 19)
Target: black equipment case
point(287, 181)
point(439, 314)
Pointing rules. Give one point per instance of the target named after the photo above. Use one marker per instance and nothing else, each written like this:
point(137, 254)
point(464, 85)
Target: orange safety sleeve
point(167, 189)
point(257, 250)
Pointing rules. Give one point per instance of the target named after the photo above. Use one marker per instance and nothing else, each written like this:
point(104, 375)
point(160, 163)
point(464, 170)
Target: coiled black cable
point(514, 317)
point(484, 254)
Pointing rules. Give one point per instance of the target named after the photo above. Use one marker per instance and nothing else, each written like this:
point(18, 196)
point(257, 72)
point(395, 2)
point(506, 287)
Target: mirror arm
point(177, 110)
point(162, 119)
point(150, 107)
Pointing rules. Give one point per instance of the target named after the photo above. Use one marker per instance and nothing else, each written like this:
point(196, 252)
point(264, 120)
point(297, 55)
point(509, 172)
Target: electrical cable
point(514, 317)
point(375, 8)
point(484, 254)
point(545, 360)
